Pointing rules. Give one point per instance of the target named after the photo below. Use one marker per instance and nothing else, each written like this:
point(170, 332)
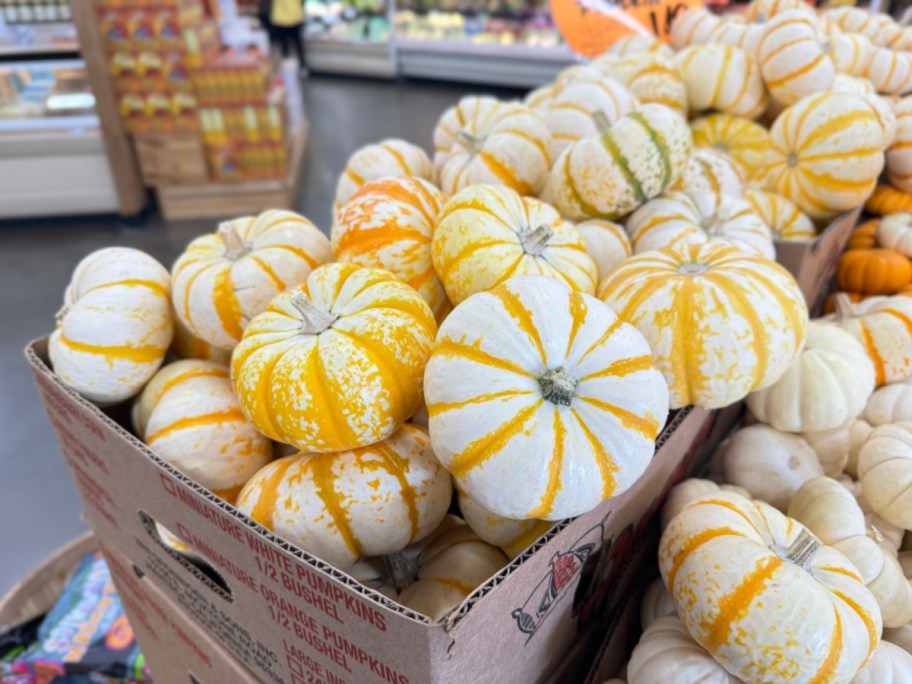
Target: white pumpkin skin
point(771, 465)
point(712, 171)
point(832, 448)
point(899, 155)
point(859, 429)
point(885, 471)
point(115, 326)
point(877, 528)
point(390, 158)
point(657, 603)
point(511, 536)
point(693, 27)
point(607, 243)
point(667, 653)
point(512, 384)
point(792, 59)
point(689, 490)
point(587, 108)
point(890, 665)
point(895, 232)
point(826, 386)
point(722, 78)
point(890, 404)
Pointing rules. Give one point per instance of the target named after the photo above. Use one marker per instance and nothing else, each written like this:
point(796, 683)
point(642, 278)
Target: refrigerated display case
point(350, 37)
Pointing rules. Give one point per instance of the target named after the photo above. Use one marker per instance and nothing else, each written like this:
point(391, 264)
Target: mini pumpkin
point(487, 234)
point(884, 326)
point(793, 61)
point(651, 78)
point(587, 108)
point(539, 100)
point(874, 271)
point(390, 158)
point(533, 377)
point(831, 447)
point(222, 280)
point(764, 10)
point(689, 490)
point(895, 232)
point(370, 501)
point(607, 243)
point(812, 142)
point(115, 325)
point(722, 78)
point(712, 171)
point(782, 606)
point(610, 175)
point(662, 294)
point(851, 53)
point(746, 141)
point(657, 603)
point(890, 71)
point(511, 536)
point(187, 346)
point(890, 404)
point(890, 665)
point(785, 220)
point(864, 236)
point(693, 217)
point(337, 362)
point(483, 140)
point(388, 224)
point(636, 44)
point(887, 200)
point(693, 27)
point(902, 637)
point(769, 464)
point(899, 154)
point(885, 472)
point(740, 34)
point(859, 430)
point(827, 385)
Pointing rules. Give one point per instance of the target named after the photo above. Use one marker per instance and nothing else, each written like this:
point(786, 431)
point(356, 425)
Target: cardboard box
point(171, 159)
point(814, 263)
point(280, 610)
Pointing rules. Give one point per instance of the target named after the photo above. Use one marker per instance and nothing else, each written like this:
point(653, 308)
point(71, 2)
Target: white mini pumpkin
point(885, 471)
point(511, 536)
point(785, 220)
point(712, 171)
point(689, 490)
point(657, 603)
point(693, 27)
point(895, 232)
point(859, 429)
point(722, 78)
point(587, 108)
point(899, 154)
point(890, 665)
point(607, 243)
point(390, 158)
point(792, 58)
point(832, 448)
point(890, 404)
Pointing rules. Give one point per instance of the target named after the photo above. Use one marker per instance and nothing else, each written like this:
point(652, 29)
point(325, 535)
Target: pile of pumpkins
point(503, 329)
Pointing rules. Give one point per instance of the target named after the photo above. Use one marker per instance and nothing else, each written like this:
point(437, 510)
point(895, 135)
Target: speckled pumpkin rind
point(350, 385)
point(746, 141)
point(573, 113)
point(391, 158)
point(785, 220)
point(714, 172)
point(367, 502)
point(721, 322)
point(722, 78)
point(610, 175)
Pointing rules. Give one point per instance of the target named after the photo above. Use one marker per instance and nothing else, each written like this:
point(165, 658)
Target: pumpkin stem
point(875, 534)
point(473, 142)
point(692, 269)
point(844, 307)
point(558, 386)
point(802, 550)
point(601, 120)
point(234, 243)
point(61, 314)
point(314, 320)
point(714, 224)
point(401, 569)
point(534, 240)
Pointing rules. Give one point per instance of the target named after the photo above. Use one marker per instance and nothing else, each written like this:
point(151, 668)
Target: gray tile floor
point(39, 507)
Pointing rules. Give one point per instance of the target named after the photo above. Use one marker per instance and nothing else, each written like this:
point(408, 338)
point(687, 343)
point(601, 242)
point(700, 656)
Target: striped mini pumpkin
point(187, 346)
point(884, 326)
point(610, 175)
point(388, 224)
point(542, 403)
point(587, 108)
point(890, 72)
point(692, 27)
point(391, 158)
point(637, 44)
point(488, 233)
point(539, 100)
point(607, 243)
point(792, 58)
point(827, 154)
point(887, 200)
point(851, 53)
point(765, 10)
point(483, 140)
point(899, 154)
point(880, 29)
point(746, 141)
point(651, 78)
point(115, 325)
point(222, 280)
point(785, 220)
point(197, 425)
point(723, 78)
point(852, 85)
point(740, 572)
point(712, 355)
point(511, 536)
point(694, 217)
point(366, 502)
point(882, 108)
point(739, 34)
point(336, 363)
point(712, 171)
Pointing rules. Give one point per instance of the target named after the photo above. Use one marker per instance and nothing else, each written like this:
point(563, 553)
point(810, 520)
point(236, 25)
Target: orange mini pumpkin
point(873, 271)
point(864, 236)
point(829, 305)
point(887, 200)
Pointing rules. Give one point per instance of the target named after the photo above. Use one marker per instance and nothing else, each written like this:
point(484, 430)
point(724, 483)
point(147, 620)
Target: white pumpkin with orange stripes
point(885, 472)
point(197, 426)
point(851, 53)
point(884, 326)
point(712, 171)
point(827, 154)
point(692, 27)
point(693, 217)
point(785, 220)
point(336, 363)
point(222, 280)
point(488, 233)
point(483, 140)
point(781, 607)
point(388, 224)
point(745, 141)
point(511, 536)
point(587, 108)
point(652, 78)
point(890, 71)
point(542, 402)
point(115, 325)
point(899, 154)
point(607, 243)
point(610, 175)
point(391, 158)
point(539, 100)
point(793, 61)
point(637, 44)
point(738, 33)
point(340, 506)
point(764, 10)
point(722, 78)
point(879, 28)
point(721, 322)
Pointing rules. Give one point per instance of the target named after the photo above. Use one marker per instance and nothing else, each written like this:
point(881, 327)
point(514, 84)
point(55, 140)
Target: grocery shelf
point(356, 58)
point(24, 41)
point(466, 62)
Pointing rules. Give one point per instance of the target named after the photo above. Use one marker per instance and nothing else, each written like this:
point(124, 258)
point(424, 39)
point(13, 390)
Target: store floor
point(39, 507)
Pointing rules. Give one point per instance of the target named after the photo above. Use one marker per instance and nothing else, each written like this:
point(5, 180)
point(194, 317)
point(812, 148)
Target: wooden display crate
point(171, 158)
point(221, 200)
